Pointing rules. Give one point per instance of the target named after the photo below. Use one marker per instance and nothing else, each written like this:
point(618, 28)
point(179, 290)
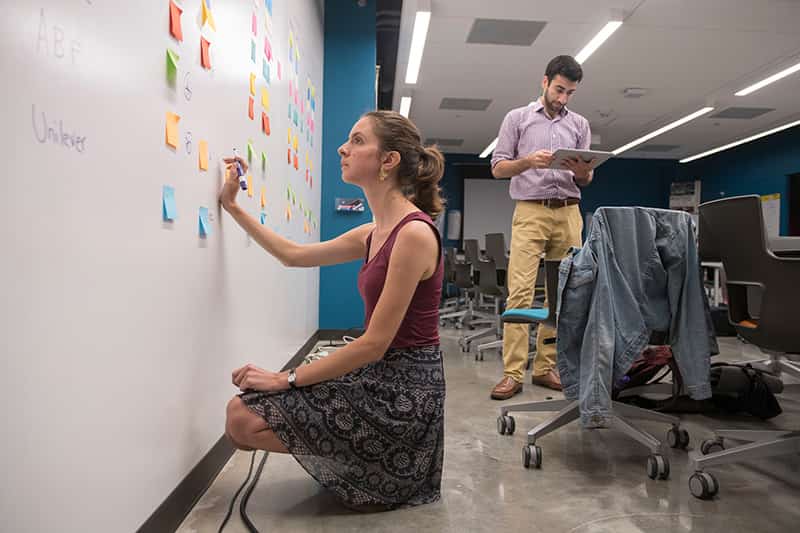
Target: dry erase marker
point(240, 171)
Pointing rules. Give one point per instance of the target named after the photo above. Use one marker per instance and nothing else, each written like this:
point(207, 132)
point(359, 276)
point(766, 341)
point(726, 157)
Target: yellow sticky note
point(294, 143)
point(289, 136)
point(265, 99)
point(207, 16)
point(204, 154)
point(249, 185)
point(172, 129)
point(252, 84)
point(263, 196)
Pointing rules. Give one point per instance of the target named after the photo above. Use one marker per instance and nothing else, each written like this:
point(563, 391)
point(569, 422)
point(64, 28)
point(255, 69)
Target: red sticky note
point(296, 163)
point(175, 20)
point(289, 156)
point(205, 59)
point(255, 24)
point(250, 108)
point(265, 123)
point(306, 175)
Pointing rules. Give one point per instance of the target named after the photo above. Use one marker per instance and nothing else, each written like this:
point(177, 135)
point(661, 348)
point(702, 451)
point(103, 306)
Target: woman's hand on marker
point(230, 188)
point(251, 377)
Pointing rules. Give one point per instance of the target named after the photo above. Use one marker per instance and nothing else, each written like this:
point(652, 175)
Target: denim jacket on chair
point(638, 272)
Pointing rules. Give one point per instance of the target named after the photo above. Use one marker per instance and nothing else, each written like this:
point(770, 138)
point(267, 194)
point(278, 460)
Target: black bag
point(750, 391)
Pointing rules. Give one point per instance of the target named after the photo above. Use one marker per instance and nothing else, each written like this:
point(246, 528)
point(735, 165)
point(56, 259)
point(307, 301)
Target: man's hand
point(582, 170)
point(540, 159)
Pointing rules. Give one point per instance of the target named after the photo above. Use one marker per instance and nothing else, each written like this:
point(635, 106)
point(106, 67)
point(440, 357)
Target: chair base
point(569, 411)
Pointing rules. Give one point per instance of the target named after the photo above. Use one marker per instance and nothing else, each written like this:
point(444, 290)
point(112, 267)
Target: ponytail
point(427, 193)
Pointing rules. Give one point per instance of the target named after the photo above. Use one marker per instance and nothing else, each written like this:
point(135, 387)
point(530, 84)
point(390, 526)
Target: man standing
point(547, 219)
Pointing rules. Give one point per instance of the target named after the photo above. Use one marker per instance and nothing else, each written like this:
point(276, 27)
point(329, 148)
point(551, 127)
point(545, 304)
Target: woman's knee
point(236, 420)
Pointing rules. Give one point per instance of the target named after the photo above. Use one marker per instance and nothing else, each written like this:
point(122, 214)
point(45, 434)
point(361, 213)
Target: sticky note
point(203, 155)
point(206, 15)
point(289, 155)
point(249, 185)
point(250, 108)
point(175, 20)
point(267, 48)
point(204, 227)
point(252, 84)
point(250, 151)
point(279, 70)
point(288, 213)
point(265, 123)
point(263, 218)
point(294, 142)
point(296, 165)
point(265, 99)
point(168, 209)
point(255, 24)
point(253, 51)
point(268, 4)
point(205, 58)
point(305, 226)
point(172, 129)
point(265, 71)
point(289, 135)
point(295, 117)
point(172, 66)
point(263, 197)
point(264, 160)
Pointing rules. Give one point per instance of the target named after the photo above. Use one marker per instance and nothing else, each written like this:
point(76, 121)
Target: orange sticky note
point(288, 213)
point(265, 99)
point(175, 20)
point(265, 123)
point(249, 185)
point(205, 59)
point(263, 197)
point(252, 84)
point(296, 165)
point(172, 129)
point(203, 155)
point(289, 156)
point(250, 109)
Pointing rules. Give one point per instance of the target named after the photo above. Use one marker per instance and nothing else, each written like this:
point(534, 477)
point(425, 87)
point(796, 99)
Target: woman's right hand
point(230, 187)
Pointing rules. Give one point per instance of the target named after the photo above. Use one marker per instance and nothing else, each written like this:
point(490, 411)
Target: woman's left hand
point(253, 378)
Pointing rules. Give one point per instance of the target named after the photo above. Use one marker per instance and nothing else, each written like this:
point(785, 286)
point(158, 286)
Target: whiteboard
point(120, 329)
point(488, 208)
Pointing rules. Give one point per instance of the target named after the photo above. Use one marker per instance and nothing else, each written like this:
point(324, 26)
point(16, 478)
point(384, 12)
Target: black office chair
point(732, 231)
point(489, 286)
point(569, 410)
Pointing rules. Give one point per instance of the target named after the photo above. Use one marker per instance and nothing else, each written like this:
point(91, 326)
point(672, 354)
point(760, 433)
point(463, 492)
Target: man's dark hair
point(565, 66)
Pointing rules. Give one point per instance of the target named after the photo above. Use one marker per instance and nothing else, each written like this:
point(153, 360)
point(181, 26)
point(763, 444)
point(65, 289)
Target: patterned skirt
point(375, 436)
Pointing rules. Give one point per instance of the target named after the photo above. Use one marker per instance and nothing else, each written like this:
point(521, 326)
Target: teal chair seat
point(526, 316)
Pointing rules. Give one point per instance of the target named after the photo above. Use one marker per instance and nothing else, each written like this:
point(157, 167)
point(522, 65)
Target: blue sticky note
point(308, 97)
point(268, 5)
point(204, 227)
point(290, 111)
point(265, 71)
point(295, 117)
point(263, 218)
point(313, 104)
point(253, 51)
point(168, 209)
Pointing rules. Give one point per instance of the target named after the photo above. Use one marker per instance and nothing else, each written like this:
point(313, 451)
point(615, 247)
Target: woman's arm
point(413, 259)
point(349, 246)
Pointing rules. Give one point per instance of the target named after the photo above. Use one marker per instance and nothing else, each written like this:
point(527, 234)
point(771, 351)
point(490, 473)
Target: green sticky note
point(250, 151)
point(172, 66)
point(264, 160)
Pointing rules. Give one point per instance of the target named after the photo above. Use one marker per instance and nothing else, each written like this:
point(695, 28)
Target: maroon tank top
point(420, 326)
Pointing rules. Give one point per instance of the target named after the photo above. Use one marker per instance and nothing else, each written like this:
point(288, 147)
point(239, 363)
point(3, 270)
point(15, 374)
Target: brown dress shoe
point(506, 389)
point(551, 380)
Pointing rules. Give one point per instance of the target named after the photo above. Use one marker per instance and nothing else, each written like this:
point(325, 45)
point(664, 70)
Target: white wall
point(119, 331)
point(488, 208)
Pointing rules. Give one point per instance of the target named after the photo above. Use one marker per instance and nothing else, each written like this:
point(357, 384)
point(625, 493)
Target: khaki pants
point(535, 229)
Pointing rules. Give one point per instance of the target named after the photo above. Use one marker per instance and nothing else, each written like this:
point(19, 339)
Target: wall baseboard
point(174, 509)
point(337, 334)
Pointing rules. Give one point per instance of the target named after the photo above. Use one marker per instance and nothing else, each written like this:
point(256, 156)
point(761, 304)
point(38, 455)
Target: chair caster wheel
point(531, 456)
point(711, 446)
point(703, 485)
point(505, 425)
point(479, 356)
point(657, 467)
point(678, 438)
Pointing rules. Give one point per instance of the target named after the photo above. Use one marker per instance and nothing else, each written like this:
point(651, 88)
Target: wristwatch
point(292, 378)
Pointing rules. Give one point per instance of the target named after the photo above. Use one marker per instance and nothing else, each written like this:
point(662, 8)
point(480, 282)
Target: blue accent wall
point(758, 167)
point(349, 89)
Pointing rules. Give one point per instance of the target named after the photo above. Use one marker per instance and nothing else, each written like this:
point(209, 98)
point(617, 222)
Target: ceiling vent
point(742, 112)
point(465, 104)
point(508, 32)
point(634, 92)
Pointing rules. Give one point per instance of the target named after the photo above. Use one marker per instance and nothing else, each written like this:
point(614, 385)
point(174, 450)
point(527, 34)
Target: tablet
point(597, 157)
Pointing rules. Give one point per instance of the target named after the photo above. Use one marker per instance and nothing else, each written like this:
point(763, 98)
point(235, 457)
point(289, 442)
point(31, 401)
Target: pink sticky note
point(255, 25)
point(279, 70)
point(267, 49)
point(302, 111)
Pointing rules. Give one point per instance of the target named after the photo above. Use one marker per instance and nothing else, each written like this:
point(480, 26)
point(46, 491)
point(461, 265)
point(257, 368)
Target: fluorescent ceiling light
point(405, 105)
point(598, 39)
point(766, 81)
point(418, 36)
point(664, 129)
point(737, 143)
point(489, 149)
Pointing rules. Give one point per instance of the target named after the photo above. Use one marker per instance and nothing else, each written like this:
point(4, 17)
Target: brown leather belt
point(555, 203)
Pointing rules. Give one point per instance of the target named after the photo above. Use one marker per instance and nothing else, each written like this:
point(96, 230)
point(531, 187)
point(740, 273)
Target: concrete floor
point(590, 481)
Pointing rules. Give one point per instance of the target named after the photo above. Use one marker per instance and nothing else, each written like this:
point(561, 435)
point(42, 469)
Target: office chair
point(569, 410)
point(732, 231)
point(489, 286)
